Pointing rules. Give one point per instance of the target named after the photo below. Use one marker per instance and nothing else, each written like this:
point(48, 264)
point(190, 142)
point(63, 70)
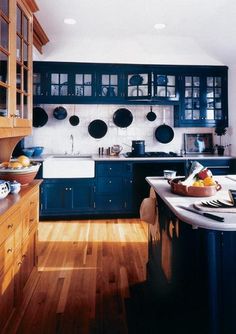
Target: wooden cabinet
point(18, 236)
point(15, 68)
point(203, 96)
point(63, 197)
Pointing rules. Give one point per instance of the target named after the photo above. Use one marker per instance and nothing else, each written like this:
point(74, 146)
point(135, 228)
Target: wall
point(55, 135)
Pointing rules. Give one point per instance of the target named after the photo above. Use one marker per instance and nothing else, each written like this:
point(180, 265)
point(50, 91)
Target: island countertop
point(173, 201)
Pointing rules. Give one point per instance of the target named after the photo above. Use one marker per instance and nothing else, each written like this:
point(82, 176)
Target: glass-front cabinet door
point(4, 63)
point(138, 86)
point(164, 87)
point(203, 100)
point(23, 68)
point(109, 86)
point(83, 85)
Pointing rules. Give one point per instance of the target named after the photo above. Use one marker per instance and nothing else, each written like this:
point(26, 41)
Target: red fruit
point(204, 173)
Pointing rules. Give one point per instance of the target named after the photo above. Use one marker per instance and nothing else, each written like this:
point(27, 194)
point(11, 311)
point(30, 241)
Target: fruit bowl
point(178, 188)
point(23, 175)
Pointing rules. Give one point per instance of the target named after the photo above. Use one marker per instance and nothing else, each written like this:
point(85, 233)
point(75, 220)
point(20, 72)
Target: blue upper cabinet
point(198, 93)
point(203, 98)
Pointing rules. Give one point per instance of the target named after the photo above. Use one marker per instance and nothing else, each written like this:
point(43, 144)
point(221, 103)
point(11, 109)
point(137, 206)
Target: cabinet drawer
point(109, 185)
point(108, 203)
point(8, 226)
point(106, 169)
point(6, 253)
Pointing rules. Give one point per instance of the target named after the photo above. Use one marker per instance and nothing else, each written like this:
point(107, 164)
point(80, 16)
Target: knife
point(205, 214)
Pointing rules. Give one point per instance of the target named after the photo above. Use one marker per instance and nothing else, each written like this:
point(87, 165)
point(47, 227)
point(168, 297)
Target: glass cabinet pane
point(164, 86)
point(3, 101)
point(192, 98)
point(4, 6)
point(55, 78)
point(138, 85)
point(109, 85)
point(83, 84)
point(3, 67)
point(59, 84)
point(4, 33)
point(18, 20)
point(18, 77)
point(25, 28)
point(18, 49)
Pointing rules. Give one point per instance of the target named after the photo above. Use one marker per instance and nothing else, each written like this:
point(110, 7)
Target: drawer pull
point(9, 250)
point(10, 226)
point(109, 200)
point(19, 263)
point(110, 181)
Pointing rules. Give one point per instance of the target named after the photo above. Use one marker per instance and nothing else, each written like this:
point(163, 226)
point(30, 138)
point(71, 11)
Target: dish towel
point(149, 213)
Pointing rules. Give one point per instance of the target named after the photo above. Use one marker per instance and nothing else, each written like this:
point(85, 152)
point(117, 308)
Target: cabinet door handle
point(109, 200)
point(9, 250)
point(110, 181)
point(10, 226)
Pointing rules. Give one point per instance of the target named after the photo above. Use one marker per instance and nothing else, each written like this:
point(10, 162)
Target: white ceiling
point(197, 31)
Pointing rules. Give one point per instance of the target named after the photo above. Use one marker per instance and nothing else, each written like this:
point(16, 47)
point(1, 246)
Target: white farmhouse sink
point(64, 166)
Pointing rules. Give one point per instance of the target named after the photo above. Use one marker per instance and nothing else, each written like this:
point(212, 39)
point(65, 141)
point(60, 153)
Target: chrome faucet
point(72, 143)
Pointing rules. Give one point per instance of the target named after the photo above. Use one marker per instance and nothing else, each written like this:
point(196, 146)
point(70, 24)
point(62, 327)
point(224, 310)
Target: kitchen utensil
point(116, 149)
point(40, 117)
point(15, 187)
point(74, 120)
point(122, 118)
point(108, 91)
point(38, 150)
point(151, 116)
point(28, 151)
point(164, 133)
point(4, 189)
point(205, 214)
point(169, 174)
point(60, 113)
point(185, 190)
point(97, 128)
point(138, 148)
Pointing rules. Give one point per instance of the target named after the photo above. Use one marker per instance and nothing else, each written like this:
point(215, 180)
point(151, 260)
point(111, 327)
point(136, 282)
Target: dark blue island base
point(191, 277)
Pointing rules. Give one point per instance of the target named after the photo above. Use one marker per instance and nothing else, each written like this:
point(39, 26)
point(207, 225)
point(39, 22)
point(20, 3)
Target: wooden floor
point(85, 272)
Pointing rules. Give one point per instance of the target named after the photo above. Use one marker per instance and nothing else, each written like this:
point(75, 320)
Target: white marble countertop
point(121, 157)
point(163, 189)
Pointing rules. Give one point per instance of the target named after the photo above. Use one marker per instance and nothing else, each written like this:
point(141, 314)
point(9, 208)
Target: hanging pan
point(60, 113)
point(164, 133)
point(40, 117)
point(151, 116)
point(122, 118)
point(97, 128)
point(74, 120)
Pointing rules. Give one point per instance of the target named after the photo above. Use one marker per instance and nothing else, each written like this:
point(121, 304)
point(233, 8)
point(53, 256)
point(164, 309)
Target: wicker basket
point(178, 188)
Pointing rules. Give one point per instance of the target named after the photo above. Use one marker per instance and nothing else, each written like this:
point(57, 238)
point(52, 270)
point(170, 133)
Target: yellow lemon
point(198, 183)
point(24, 160)
point(15, 164)
point(209, 181)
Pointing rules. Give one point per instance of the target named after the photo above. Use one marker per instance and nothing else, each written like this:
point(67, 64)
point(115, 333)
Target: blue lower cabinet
point(114, 191)
point(60, 197)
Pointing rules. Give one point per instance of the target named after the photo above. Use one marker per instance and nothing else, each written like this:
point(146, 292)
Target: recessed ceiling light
point(69, 21)
point(159, 26)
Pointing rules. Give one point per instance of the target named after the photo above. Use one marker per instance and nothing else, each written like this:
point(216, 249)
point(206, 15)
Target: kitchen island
point(191, 265)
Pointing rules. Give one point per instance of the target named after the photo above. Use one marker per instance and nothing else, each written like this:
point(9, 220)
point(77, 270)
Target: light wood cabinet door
point(6, 296)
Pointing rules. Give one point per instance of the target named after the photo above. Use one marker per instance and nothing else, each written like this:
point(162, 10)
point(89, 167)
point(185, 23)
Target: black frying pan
point(151, 116)
point(74, 120)
point(60, 113)
point(40, 117)
point(164, 133)
point(123, 118)
point(97, 128)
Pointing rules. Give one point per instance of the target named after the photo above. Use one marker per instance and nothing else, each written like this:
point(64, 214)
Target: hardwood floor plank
point(86, 270)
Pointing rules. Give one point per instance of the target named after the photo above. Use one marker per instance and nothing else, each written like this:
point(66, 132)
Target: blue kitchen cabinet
point(71, 197)
point(114, 191)
point(203, 97)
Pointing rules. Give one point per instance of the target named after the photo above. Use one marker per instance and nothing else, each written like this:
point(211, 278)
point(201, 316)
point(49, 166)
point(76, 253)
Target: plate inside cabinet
point(97, 128)
point(162, 80)
point(136, 80)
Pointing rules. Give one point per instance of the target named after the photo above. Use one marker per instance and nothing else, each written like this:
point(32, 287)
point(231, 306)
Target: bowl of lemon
point(21, 170)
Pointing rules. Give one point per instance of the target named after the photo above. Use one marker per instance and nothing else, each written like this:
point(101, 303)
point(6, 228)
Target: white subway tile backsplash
point(55, 135)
